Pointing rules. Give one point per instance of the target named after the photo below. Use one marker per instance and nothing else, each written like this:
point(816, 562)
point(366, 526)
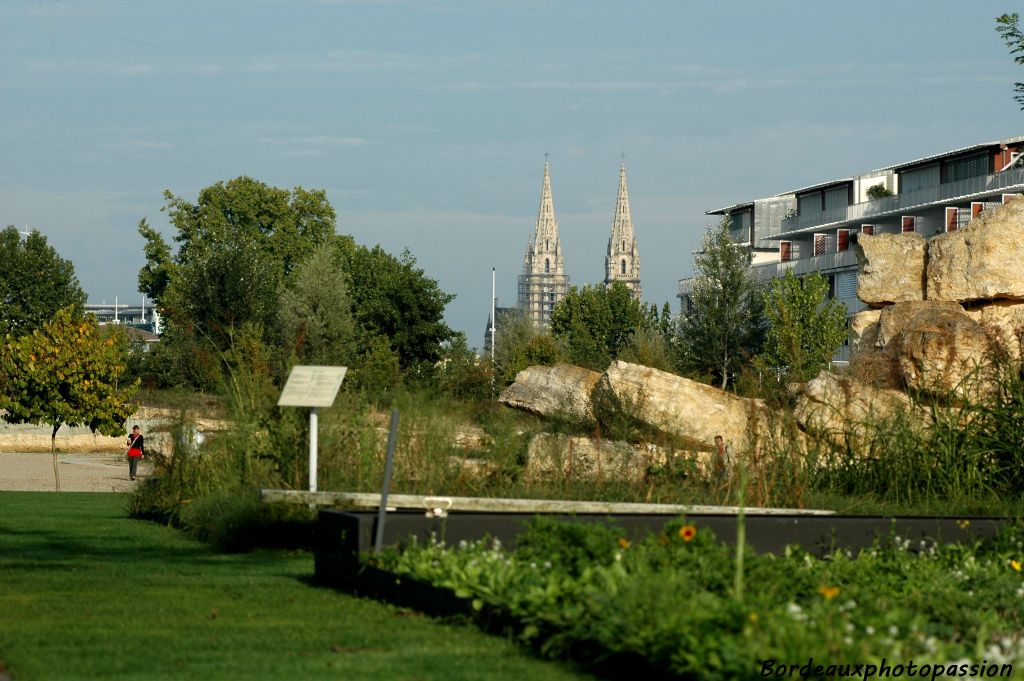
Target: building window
point(842, 240)
point(622, 266)
point(963, 168)
point(547, 265)
point(919, 178)
point(785, 251)
point(837, 198)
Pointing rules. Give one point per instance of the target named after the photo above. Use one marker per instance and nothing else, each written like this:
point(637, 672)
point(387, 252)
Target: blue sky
point(427, 122)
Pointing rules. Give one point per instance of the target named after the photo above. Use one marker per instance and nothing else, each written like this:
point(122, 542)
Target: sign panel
point(311, 386)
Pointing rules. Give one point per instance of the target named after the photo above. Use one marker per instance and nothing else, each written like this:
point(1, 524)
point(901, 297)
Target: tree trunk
point(725, 369)
point(53, 453)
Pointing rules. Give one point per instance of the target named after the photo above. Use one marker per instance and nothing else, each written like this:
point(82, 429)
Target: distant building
point(500, 315)
point(543, 282)
point(135, 316)
point(812, 229)
point(622, 263)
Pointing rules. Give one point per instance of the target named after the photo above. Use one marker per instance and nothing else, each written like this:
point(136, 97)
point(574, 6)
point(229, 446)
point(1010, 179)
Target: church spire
point(543, 282)
point(547, 225)
point(622, 262)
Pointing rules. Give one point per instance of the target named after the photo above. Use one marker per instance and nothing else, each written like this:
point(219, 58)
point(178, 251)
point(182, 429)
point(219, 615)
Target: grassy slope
point(87, 593)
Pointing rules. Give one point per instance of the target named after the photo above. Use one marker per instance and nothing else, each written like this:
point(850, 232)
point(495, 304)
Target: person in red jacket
point(136, 451)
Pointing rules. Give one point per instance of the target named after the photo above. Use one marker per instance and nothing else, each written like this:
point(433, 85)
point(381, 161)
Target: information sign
point(312, 386)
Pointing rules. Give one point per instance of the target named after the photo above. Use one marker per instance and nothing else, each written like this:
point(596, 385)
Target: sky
point(427, 123)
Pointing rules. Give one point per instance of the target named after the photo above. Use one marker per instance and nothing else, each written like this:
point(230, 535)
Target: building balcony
point(950, 191)
point(824, 263)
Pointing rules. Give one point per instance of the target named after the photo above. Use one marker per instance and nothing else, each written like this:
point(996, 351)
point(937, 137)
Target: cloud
point(89, 67)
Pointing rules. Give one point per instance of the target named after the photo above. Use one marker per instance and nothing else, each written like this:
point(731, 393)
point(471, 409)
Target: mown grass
point(88, 593)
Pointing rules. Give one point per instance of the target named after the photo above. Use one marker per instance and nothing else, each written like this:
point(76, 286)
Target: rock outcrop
point(892, 268)
point(685, 409)
point(944, 352)
point(582, 458)
point(1004, 323)
point(839, 408)
point(561, 390)
point(982, 261)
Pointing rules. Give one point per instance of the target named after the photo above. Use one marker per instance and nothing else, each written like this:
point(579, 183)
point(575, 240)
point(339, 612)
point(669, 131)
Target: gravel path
point(101, 472)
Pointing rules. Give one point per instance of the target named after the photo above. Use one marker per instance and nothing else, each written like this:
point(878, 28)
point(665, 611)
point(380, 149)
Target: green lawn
point(87, 593)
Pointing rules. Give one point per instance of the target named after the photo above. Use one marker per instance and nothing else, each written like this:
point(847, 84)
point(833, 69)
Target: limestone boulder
point(685, 409)
point(944, 352)
point(892, 268)
point(842, 410)
point(981, 261)
point(895, 318)
point(864, 330)
point(561, 390)
point(1004, 323)
point(549, 455)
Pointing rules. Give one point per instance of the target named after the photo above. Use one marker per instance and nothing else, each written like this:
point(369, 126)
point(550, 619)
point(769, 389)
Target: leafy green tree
point(237, 246)
point(594, 323)
point(315, 312)
point(805, 328)
point(395, 300)
point(518, 345)
point(35, 282)
point(156, 276)
point(463, 374)
point(1008, 27)
point(723, 325)
point(650, 348)
point(68, 372)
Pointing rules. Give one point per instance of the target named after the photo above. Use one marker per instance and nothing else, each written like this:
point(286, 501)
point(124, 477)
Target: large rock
point(981, 261)
point(685, 409)
point(895, 318)
point(581, 458)
point(843, 410)
point(871, 362)
point(562, 390)
point(892, 268)
point(944, 352)
point(1004, 323)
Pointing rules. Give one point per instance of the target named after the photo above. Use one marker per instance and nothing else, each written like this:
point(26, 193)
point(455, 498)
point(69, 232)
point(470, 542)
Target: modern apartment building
point(810, 229)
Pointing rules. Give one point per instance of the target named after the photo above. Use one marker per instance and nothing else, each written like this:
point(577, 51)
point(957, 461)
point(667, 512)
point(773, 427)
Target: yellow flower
point(752, 617)
point(829, 592)
point(963, 524)
point(1015, 564)
point(687, 532)
point(624, 543)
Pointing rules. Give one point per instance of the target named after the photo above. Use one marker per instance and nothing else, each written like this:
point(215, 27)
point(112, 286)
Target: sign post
point(312, 386)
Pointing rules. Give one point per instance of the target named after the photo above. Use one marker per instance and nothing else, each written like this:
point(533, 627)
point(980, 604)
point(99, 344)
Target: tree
point(595, 323)
point(804, 327)
point(723, 325)
point(35, 283)
point(394, 299)
point(237, 246)
point(518, 344)
point(67, 372)
point(1008, 27)
point(315, 313)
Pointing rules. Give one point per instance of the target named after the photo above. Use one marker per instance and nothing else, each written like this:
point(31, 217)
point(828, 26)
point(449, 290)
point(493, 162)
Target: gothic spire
point(547, 226)
point(622, 263)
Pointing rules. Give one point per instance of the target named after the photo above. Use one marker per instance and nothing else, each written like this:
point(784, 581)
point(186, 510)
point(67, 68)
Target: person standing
point(136, 451)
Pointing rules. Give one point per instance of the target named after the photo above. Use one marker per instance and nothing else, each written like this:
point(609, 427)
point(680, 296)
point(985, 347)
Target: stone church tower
point(622, 263)
point(543, 282)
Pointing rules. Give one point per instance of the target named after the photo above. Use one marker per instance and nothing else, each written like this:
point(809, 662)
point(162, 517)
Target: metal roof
point(923, 159)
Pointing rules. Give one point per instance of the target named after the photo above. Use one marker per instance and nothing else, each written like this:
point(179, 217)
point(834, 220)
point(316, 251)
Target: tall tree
point(68, 372)
point(805, 327)
point(395, 299)
point(723, 326)
point(236, 247)
point(35, 282)
point(594, 323)
point(1008, 27)
point(315, 312)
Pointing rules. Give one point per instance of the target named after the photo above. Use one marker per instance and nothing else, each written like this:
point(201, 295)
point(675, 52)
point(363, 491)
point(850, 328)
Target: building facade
point(812, 229)
point(622, 262)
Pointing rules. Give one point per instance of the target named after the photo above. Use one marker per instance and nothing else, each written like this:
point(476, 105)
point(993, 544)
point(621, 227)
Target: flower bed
point(673, 601)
